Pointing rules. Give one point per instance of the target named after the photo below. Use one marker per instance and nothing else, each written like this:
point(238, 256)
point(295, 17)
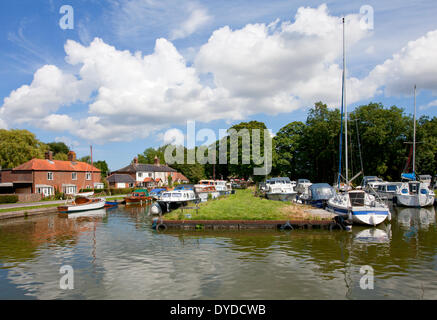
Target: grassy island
point(243, 205)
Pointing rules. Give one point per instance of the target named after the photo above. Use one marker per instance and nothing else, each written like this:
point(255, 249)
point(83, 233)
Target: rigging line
point(359, 146)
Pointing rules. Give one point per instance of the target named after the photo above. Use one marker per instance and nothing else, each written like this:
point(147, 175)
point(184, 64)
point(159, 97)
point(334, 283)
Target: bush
point(8, 198)
point(122, 191)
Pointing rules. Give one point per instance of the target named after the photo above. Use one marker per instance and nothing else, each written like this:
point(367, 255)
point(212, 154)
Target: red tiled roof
point(55, 165)
point(180, 176)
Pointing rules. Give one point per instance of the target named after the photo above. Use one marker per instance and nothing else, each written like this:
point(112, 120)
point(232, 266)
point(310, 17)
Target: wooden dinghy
point(82, 204)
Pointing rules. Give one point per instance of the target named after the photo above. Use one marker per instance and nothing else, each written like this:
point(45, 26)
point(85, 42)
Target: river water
point(116, 255)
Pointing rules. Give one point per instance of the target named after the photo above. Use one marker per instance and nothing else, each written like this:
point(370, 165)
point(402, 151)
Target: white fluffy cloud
point(50, 88)
point(197, 19)
point(416, 64)
point(279, 68)
point(259, 68)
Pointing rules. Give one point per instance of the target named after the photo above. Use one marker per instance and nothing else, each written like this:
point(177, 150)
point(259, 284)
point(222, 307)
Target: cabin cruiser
point(414, 194)
point(387, 190)
point(302, 186)
point(318, 195)
point(169, 200)
point(206, 192)
point(371, 183)
point(280, 189)
point(359, 207)
point(220, 185)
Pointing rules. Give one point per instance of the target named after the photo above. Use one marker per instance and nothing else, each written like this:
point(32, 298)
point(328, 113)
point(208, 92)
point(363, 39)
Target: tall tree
point(19, 146)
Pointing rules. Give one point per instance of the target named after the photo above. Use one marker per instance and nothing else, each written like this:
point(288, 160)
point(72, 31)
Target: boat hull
point(281, 196)
point(365, 215)
point(95, 205)
point(204, 195)
point(415, 201)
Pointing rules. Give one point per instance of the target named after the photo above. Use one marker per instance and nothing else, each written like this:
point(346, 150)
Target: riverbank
point(26, 212)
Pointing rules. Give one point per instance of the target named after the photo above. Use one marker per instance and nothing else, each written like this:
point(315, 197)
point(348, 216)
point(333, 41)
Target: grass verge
point(243, 205)
point(29, 208)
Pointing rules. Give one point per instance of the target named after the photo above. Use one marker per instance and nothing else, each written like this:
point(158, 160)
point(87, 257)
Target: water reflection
point(116, 255)
point(420, 218)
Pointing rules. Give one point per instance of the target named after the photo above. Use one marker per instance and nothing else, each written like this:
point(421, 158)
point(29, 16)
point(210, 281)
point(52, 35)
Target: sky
point(126, 75)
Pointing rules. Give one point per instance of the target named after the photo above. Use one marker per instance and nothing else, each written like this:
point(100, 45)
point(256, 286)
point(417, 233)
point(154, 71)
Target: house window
point(49, 175)
point(74, 176)
point(88, 175)
point(140, 174)
point(150, 174)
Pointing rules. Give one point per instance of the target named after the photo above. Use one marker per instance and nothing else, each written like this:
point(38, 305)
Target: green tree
point(58, 147)
point(19, 146)
point(103, 166)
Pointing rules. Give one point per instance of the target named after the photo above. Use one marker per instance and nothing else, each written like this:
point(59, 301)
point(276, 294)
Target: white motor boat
point(360, 207)
point(206, 192)
point(280, 189)
point(302, 186)
point(414, 194)
point(387, 190)
point(181, 195)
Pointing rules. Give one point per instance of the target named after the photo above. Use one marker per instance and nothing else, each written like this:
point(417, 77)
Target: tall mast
point(92, 166)
point(341, 120)
point(345, 105)
point(414, 134)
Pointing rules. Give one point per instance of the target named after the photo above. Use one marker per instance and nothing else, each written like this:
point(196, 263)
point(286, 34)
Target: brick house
point(45, 176)
point(150, 175)
point(119, 181)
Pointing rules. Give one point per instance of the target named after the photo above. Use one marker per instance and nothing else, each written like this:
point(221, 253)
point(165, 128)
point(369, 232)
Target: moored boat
point(414, 194)
point(280, 189)
point(138, 196)
point(302, 186)
point(318, 195)
point(82, 204)
point(181, 195)
point(359, 207)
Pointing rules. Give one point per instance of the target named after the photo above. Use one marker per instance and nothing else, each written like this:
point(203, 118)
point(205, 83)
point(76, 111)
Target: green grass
point(29, 208)
point(243, 206)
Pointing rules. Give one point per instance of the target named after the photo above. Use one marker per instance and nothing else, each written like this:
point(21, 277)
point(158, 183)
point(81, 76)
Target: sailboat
point(355, 205)
point(414, 193)
point(83, 202)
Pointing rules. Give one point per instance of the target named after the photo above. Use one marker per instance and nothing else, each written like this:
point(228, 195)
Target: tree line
point(379, 144)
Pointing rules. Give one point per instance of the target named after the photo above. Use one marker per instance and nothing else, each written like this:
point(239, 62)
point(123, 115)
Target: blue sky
point(102, 93)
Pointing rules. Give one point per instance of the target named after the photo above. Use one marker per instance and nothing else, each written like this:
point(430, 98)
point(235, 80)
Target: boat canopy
point(408, 176)
point(321, 191)
point(184, 187)
point(303, 181)
point(142, 190)
point(158, 190)
point(279, 180)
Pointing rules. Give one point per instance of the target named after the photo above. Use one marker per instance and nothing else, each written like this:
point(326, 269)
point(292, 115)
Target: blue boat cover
point(408, 176)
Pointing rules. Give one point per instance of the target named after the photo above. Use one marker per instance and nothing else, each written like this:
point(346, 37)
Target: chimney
point(156, 161)
point(49, 155)
point(135, 160)
point(71, 156)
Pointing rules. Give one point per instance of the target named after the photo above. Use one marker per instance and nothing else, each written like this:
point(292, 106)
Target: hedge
point(8, 198)
point(111, 191)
